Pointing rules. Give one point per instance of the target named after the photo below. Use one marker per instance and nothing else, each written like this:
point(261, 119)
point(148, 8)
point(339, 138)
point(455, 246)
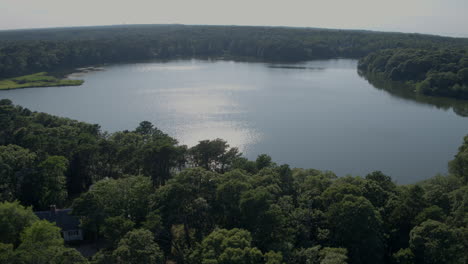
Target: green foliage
point(336, 192)
point(153, 223)
point(40, 79)
point(459, 209)
point(126, 197)
point(306, 255)
point(233, 246)
point(37, 136)
point(6, 253)
point(263, 218)
point(404, 256)
point(385, 182)
point(434, 72)
point(90, 154)
point(14, 218)
point(54, 182)
point(310, 184)
point(272, 257)
point(401, 211)
point(263, 161)
point(228, 194)
point(40, 243)
point(69, 256)
point(244, 164)
point(103, 257)
point(435, 242)
point(459, 166)
point(319, 255)
point(16, 167)
point(215, 155)
point(438, 190)
point(333, 256)
point(433, 212)
point(356, 225)
point(160, 154)
point(40, 231)
point(116, 227)
point(137, 247)
point(186, 200)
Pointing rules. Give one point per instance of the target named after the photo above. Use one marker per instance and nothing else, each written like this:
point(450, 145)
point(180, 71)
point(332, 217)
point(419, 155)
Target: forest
point(147, 199)
point(438, 72)
point(25, 52)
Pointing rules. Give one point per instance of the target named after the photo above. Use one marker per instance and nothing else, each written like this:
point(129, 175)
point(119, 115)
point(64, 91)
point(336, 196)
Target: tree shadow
point(406, 92)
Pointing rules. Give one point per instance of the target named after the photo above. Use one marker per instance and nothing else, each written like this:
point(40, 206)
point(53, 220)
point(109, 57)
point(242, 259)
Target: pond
point(317, 114)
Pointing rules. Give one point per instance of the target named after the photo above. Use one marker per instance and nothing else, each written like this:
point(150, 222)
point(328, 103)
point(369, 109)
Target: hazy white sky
point(444, 17)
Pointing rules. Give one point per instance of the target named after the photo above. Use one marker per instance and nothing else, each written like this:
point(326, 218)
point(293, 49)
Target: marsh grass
point(41, 79)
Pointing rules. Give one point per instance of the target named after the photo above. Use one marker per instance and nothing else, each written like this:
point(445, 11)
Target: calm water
point(319, 114)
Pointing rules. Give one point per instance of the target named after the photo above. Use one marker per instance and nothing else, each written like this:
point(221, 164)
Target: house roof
point(61, 217)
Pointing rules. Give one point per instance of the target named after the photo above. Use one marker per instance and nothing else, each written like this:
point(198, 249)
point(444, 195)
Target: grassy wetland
point(41, 79)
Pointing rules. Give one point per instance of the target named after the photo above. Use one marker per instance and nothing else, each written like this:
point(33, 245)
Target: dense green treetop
point(14, 218)
point(137, 247)
point(434, 72)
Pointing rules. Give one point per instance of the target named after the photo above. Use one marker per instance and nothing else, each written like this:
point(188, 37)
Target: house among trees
point(69, 224)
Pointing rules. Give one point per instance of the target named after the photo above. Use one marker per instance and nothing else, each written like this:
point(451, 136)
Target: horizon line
point(233, 25)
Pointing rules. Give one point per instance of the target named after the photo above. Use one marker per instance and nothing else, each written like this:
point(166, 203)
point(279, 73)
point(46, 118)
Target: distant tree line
point(435, 72)
point(30, 51)
point(151, 200)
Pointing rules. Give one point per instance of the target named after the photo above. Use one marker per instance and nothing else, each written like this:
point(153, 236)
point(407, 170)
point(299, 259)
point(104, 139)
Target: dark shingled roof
point(61, 217)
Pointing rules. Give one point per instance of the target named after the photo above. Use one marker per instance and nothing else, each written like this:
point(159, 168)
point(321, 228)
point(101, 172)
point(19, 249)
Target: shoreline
point(41, 79)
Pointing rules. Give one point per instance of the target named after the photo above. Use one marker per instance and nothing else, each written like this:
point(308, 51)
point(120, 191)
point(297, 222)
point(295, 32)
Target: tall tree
point(13, 219)
point(53, 181)
point(138, 247)
point(356, 225)
point(224, 246)
point(215, 155)
point(16, 165)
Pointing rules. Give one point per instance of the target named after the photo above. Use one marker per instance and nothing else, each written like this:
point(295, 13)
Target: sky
point(441, 17)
